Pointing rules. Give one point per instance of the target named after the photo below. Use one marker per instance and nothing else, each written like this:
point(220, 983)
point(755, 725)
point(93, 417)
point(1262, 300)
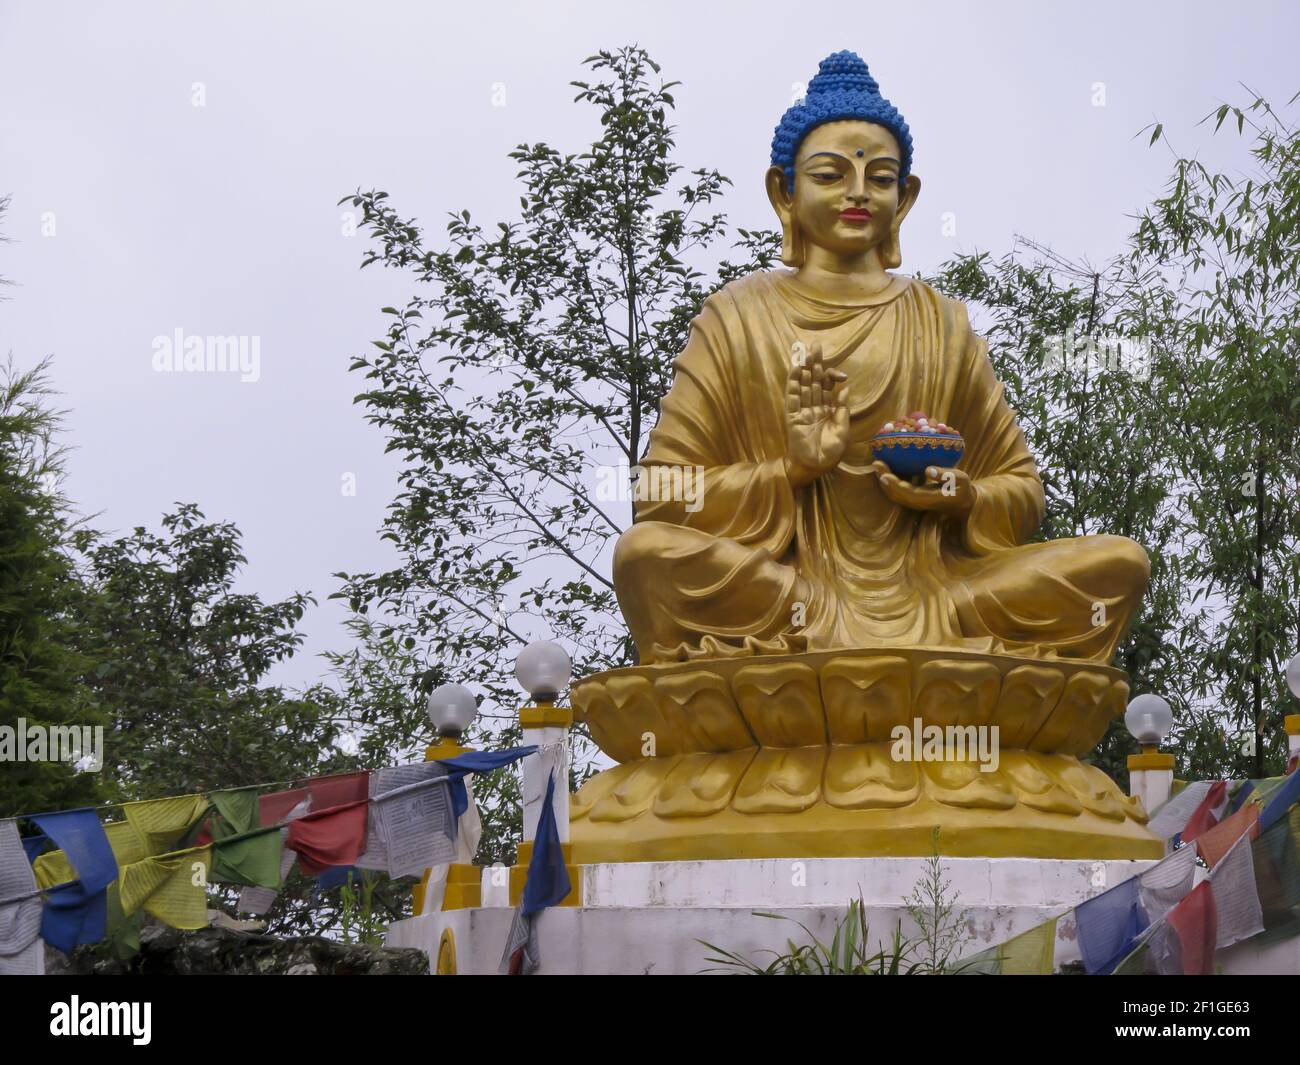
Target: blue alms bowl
point(907, 453)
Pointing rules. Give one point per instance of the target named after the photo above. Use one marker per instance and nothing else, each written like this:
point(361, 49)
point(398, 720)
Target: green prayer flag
point(1031, 953)
point(251, 858)
point(164, 823)
point(1135, 964)
point(238, 810)
point(123, 932)
point(1276, 855)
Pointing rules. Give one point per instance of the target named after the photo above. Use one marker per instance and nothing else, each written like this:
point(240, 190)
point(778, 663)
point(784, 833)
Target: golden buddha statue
point(807, 602)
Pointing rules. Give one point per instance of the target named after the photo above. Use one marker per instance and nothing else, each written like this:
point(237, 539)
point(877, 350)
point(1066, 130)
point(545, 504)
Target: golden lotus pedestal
point(793, 756)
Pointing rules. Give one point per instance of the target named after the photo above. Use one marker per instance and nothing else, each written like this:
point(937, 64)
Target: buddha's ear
point(891, 253)
point(782, 200)
point(911, 190)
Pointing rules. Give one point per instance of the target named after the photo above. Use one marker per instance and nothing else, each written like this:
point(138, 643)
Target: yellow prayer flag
point(53, 868)
point(125, 842)
point(1032, 953)
point(172, 887)
point(163, 823)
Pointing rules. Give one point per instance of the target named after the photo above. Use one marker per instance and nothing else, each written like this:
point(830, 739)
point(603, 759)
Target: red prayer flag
point(1196, 922)
point(330, 837)
point(1204, 817)
point(275, 807)
point(1215, 843)
point(338, 789)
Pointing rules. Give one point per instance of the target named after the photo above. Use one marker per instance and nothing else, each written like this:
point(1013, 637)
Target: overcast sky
point(136, 213)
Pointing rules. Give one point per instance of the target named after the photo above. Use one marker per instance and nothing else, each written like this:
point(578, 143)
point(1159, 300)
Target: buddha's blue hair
point(842, 89)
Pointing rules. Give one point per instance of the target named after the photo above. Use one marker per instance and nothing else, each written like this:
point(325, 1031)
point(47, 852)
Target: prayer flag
point(1165, 884)
point(547, 884)
point(172, 887)
point(261, 899)
point(1207, 814)
point(238, 812)
point(21, 951)
point(124, 841)
point(477, 762)
point(338, 790)
point(335, 836)
point(164, 823)
point(1108, 926)
point(1194, 923)
point(1276, 857)
point(410, 822)
point(251, 858)
point(76, 912)
point(1031, 953)
point(1286, 796)
point(1236, 901)
point(1169, 818)
point(275, 808)
point(33, 845)
point(1219, 840)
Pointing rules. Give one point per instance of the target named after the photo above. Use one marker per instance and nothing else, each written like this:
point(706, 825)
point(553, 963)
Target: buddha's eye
point(884, 180)
point(824, 176)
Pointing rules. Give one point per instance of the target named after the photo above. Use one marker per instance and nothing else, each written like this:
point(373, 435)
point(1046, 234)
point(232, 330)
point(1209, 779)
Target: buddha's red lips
point(855, 215)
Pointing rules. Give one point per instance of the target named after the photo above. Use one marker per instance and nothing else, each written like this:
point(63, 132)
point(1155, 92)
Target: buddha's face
point(847, 196)
point(846, 187)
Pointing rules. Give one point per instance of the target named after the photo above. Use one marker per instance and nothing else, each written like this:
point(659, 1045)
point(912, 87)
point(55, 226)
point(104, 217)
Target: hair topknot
point(842, 89)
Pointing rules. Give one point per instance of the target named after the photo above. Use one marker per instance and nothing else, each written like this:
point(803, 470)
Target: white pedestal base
point(648, 917)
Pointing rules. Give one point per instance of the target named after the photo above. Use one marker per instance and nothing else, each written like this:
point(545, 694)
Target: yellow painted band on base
point(1150, 760)
point(1292, 722)
point(519, 874)
point(442, 749)
point(446, 963)
point(545, 715)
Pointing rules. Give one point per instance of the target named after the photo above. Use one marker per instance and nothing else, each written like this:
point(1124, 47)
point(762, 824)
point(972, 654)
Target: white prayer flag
point(410, 821)
point(1171, 817)
point(1164, 885)
point(1236, 898)
point(22, 953)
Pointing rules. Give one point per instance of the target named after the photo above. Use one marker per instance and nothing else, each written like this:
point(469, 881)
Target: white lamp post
point(1293, 720)
point(1151, 773)
point(543, 670)
point(452, 709)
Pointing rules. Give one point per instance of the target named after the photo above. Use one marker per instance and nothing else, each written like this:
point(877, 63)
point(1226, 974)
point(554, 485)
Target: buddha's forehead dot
point(861, 153)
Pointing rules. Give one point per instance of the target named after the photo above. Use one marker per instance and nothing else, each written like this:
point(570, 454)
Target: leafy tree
point(1084, 397)
point(39, 662)
point(180, 660)
point(1214, 265)
point(518, 385)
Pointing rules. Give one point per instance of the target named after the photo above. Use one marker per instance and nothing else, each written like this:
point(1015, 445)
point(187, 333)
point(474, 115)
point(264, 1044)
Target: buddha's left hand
point(945, 491)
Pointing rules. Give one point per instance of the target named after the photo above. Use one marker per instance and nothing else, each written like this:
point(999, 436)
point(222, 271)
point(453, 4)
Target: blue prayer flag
point(1109, 926)
point(1281, 801)
point(548, 880)
point(77, 912)
point(477, 762)
point(33, 845)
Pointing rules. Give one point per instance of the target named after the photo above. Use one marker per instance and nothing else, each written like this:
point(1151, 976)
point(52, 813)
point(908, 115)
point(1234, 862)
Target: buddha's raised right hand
point(816, 417)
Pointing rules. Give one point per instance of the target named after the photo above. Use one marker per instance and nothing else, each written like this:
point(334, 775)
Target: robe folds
point(747, 564)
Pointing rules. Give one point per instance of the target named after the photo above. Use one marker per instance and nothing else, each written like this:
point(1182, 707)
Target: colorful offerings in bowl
point(908, 445)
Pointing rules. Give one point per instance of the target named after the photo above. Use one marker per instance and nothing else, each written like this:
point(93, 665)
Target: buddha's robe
point(752, 565)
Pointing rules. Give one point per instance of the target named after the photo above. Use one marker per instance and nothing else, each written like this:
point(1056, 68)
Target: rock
point(171, 952)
